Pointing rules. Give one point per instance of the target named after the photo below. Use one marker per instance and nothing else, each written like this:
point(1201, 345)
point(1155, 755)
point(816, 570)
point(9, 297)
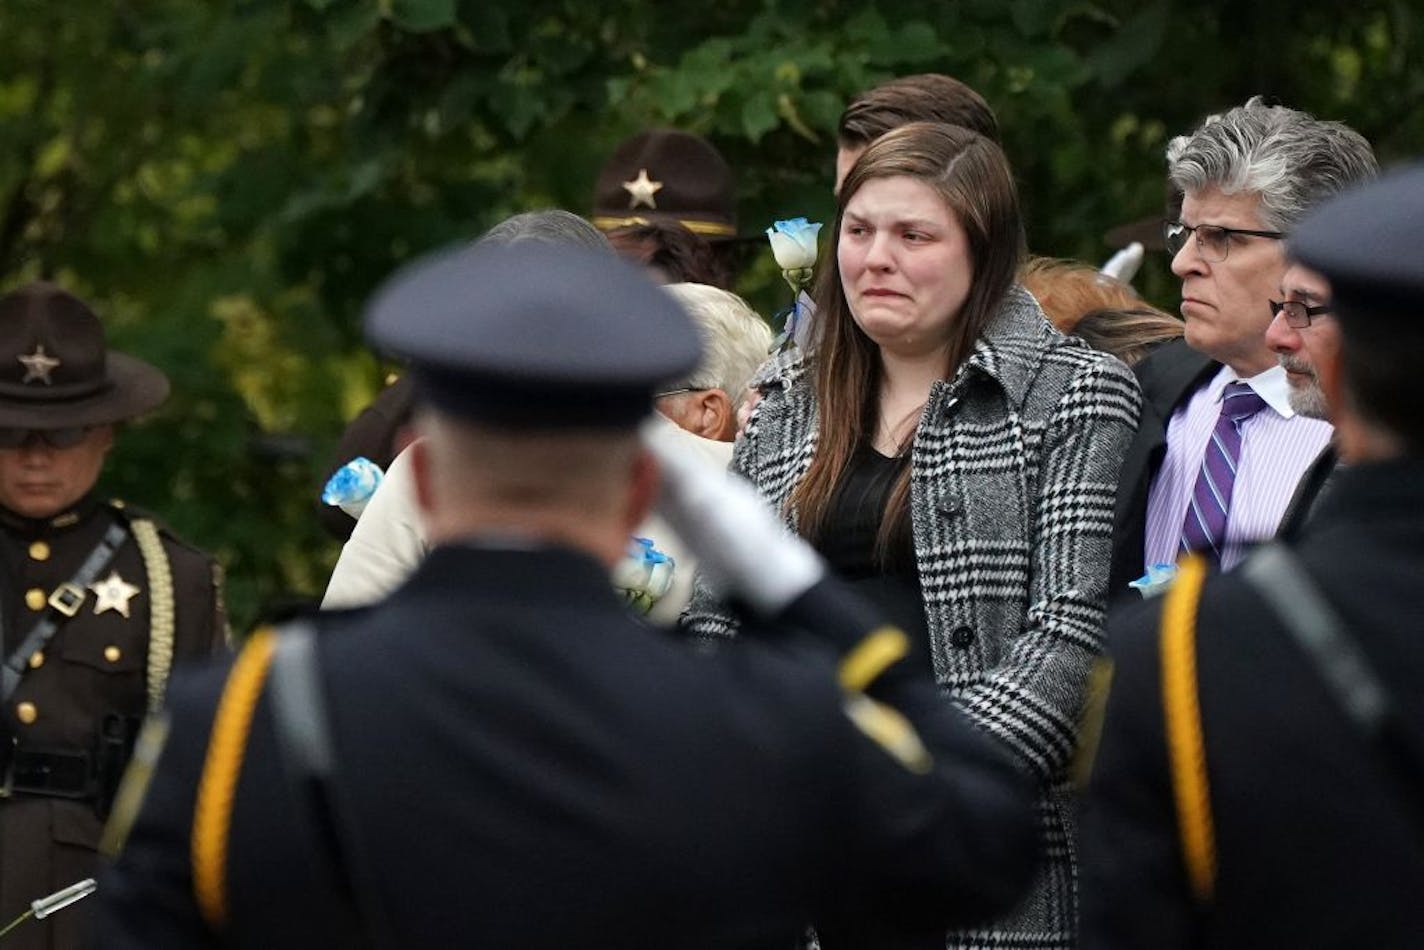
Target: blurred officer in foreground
point(1279, 799)
point(98, 601)
point(499, 755)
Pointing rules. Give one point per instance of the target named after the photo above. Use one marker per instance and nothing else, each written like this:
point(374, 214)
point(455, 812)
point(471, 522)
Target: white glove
point(742, 547)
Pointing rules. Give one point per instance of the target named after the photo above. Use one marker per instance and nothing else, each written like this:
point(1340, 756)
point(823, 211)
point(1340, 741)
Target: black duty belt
point(63, 604)
point(56, 774)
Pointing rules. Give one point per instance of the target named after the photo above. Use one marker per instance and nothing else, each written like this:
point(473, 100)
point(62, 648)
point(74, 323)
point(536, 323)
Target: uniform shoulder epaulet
point(133, 513)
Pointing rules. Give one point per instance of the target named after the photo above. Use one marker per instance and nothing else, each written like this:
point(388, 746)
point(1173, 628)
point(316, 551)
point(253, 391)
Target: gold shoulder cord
point(212, 814)
point(1186, 747)
point(160, 608)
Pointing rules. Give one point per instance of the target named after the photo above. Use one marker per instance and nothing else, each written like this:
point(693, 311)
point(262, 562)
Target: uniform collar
point(524, 570)
point(1388, 490)
point(76, 514)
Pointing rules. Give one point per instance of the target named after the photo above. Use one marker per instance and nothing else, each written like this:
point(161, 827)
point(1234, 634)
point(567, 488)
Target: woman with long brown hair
point(956, 458)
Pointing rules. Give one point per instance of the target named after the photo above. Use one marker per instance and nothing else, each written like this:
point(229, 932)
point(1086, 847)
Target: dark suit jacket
point(1308, 494)
point(529, 766)
point(1316, 847)
point(1168, 377)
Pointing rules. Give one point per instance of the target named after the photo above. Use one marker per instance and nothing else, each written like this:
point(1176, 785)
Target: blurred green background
point(227, 181)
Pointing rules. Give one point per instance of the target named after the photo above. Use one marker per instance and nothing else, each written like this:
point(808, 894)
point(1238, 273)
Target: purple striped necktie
point(1204, 528)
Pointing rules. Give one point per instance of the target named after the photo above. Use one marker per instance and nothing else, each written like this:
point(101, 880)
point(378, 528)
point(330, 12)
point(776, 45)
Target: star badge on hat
point(113, 593)
point(38, 365)
point(641, 190)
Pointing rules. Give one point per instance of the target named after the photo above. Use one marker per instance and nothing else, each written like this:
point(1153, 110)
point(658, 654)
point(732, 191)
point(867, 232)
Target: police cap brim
point(1369, 243)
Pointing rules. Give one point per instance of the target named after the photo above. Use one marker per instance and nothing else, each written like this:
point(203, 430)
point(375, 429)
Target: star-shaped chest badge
point(38, 365)
point(113, 593)
point(641, 190)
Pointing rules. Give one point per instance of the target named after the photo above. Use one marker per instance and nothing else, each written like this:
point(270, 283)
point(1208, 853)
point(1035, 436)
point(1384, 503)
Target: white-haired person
point(735, 341)
point(696, 417)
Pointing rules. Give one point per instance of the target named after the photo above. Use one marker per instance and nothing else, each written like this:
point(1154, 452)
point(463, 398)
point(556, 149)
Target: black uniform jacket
point(1168, 377)
point(93, 674)
point(1315, 846)
point(528, 766)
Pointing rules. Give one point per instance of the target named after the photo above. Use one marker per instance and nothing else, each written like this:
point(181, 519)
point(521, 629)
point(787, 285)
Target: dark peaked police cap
point(1369, 243)
point(534, 336)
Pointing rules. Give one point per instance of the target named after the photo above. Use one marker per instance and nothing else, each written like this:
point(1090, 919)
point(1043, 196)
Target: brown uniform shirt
point(94, 667)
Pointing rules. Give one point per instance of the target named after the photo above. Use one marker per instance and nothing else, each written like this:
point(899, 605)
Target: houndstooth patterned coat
point(1014, 471)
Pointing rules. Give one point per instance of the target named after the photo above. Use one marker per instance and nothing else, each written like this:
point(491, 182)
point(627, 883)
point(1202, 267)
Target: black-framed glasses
point(681, 390)
point(66, 438)
point(1213, 241)
point(1298, 315)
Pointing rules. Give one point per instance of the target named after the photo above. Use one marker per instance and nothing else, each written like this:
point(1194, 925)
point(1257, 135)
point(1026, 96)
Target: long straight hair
point(972, 177)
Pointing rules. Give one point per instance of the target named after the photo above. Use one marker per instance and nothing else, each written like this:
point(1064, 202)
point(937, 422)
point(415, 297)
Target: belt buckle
point(68, 598)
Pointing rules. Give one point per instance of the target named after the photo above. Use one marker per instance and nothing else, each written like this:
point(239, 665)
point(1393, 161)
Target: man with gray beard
point(1303, 332)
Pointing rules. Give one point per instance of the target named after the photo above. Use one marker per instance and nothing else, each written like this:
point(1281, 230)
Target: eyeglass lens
point(1213, 242)
point(66, 438)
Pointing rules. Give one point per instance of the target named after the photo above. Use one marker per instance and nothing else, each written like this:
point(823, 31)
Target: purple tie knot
point(1240, 402)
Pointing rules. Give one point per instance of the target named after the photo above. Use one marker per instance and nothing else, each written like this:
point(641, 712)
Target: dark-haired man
point(928, 97)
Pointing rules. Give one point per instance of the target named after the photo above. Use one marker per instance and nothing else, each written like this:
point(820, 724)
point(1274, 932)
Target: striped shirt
point(1277, 447)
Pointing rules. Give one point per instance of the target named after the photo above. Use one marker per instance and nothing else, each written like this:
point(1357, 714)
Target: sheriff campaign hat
point(56, 368)
point(671, 176)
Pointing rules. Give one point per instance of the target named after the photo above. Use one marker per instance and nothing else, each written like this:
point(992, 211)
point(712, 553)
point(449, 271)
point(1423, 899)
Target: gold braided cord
point(212, 814)
point(160, 609)
point(706, 228)
point(873, 655)
point(1186, 746)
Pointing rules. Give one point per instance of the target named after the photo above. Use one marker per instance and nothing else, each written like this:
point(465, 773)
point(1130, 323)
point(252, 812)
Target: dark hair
point(929, 97)
point(972, 178)
point(683, 257)
point(1127, 333)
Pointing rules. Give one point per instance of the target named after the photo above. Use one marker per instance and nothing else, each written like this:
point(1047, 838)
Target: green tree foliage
point(227, 181)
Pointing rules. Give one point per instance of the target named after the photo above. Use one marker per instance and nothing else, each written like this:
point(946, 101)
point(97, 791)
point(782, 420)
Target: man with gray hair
point(735, 341)
point(1219, 449)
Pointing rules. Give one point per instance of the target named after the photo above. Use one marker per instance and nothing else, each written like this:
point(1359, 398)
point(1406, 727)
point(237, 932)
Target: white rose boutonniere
point(644, 575)
point(793, 244)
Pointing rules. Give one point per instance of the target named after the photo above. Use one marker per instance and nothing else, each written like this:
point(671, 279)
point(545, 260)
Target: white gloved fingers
point(741, 545)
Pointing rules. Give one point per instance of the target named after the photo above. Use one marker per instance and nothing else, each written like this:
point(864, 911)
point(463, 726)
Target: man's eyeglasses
point(680, 391)
point(1297, 314)
point(66, 438)
point(1213, 241)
